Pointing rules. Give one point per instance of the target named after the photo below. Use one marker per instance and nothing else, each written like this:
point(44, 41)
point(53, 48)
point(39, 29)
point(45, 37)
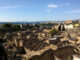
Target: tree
point(16, 27)
point(59, 28)
point(1, 34)
point(63, 29)
point(7, 27)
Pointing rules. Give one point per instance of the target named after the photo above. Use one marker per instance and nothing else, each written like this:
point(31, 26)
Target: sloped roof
point(68, 21)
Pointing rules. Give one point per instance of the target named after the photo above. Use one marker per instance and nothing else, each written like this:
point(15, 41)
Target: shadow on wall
point(61, 54)
point(47, 55)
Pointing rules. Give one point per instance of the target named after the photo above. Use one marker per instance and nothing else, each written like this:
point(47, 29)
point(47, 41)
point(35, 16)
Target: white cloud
point(48, 10)
point(60, 5)
point(7, 7)
point(66, 4)
point(52, 6)
point(74, 11)
point(56, 6)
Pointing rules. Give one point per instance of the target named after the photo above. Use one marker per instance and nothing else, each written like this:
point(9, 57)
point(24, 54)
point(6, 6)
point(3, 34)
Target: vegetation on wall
point(54, 32)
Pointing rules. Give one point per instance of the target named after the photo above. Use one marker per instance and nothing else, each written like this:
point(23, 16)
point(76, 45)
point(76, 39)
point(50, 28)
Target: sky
point(39, 10)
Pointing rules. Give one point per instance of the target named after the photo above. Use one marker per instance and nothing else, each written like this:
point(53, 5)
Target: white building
point(68, 26)
point(76, 58)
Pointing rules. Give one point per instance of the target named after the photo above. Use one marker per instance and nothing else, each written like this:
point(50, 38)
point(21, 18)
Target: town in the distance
point(40, 41)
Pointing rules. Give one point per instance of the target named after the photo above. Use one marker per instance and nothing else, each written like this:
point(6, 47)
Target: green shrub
point(1, 34)
point(16, 27)
point(54, 32)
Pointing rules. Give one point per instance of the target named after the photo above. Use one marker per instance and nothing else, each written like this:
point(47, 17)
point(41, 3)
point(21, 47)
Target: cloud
point(74, 11)
point(66, 4)
point(48, 10)
point(56, 6)
point(52, 6)
point(7, 7)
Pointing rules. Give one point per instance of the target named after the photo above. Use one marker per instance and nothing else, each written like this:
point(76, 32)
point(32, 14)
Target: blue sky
point(39, 10)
